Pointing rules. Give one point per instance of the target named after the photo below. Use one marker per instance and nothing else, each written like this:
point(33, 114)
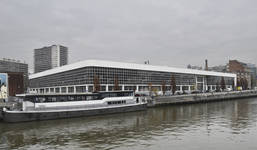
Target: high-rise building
point(50, 57)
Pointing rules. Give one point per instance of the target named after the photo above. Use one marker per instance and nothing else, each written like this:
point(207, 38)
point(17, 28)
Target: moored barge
point(37, 107)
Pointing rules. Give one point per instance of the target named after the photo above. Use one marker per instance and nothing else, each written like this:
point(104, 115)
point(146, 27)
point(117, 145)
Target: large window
point(81, 89)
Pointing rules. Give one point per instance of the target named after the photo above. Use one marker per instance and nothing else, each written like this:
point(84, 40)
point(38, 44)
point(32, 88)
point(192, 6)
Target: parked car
point(195, 92)
point(228, 89)
point(178, 93)
point(187, 92)
point(168, 93)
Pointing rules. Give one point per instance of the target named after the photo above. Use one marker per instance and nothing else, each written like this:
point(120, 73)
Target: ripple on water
point(222, 125)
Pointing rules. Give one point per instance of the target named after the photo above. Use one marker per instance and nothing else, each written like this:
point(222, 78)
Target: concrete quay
point(200, 98)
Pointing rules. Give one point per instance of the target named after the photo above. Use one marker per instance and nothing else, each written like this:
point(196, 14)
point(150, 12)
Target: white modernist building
point(79, 77)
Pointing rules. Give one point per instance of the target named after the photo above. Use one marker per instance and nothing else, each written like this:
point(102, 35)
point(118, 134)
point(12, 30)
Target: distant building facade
point(253, 73)
point(50, 57)
point(17, 75)
point(256, 82)
point(220, 68)
point(246, 72)
point(194, 67)
point(242, 70)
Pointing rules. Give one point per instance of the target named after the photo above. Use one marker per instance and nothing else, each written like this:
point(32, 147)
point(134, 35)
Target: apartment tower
point(50, 57)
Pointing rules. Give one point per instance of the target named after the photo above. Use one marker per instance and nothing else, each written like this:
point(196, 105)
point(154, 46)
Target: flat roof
point(71, 94)
point(121, 65)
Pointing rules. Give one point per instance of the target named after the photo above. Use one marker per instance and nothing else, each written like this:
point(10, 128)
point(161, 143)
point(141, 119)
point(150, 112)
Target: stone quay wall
point(200, 98)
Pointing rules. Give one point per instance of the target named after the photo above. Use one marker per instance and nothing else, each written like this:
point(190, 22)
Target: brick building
point(242, 70)
point(17, 69)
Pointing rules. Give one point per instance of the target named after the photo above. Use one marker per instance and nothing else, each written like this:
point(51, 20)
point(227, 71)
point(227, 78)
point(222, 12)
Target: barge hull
point(38, 116)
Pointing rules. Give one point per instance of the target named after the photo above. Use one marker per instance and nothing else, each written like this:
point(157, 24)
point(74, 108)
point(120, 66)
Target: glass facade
point(82, 79)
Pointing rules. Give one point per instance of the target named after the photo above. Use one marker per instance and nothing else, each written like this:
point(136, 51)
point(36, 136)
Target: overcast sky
point(166, 32)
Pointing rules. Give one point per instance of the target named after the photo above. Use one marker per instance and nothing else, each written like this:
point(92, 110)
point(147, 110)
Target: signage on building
point(3, 85)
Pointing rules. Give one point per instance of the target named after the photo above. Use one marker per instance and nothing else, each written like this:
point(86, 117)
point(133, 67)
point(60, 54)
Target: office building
point(50, 57)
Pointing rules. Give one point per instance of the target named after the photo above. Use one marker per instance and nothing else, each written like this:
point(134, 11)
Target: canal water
point(229, 125)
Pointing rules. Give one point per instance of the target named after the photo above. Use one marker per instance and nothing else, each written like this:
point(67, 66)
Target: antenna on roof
point(147, 62)
point(206, 65)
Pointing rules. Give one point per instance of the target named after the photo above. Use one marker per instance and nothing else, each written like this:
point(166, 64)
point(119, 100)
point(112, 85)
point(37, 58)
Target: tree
point(173, 84)
point(238, 82)
point(134, 88)
point(217, 87)
point(96, 83)
point(222, 84)
point(150, 85)
point(155, 90)
point(164, 88)
point(116, 84)
point(244, 83)
point(233, 86)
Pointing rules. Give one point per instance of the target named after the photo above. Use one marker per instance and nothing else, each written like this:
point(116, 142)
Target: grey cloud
point(167, 32)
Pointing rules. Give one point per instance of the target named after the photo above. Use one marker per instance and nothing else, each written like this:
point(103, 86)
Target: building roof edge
point(112, 64)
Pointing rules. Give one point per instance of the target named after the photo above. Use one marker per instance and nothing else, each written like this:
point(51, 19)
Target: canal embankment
point(200, 98)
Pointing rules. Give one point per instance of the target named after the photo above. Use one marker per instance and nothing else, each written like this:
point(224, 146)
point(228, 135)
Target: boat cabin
point(47, 98)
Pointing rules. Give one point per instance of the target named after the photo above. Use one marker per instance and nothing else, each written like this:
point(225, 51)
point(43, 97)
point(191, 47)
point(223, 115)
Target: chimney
point(206, 64)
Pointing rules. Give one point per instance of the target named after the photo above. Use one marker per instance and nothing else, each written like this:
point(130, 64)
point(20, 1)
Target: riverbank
point(200, 98)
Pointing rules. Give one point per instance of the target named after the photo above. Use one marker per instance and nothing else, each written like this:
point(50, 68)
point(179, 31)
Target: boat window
point(54, 99)
point(80, 98)
point(89, 97)
point(40, 99)
point(104, 95)
point(95, 97)
point(113, 94)
point(48, 99)
point(36, 100)
point(116, 102)
point(124, 94)
point(71, 98)
point(116, 94)
point(63, 98)
point(29, 98)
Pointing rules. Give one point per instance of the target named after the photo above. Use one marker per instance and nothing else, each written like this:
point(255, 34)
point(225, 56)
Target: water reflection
point(219, 121)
